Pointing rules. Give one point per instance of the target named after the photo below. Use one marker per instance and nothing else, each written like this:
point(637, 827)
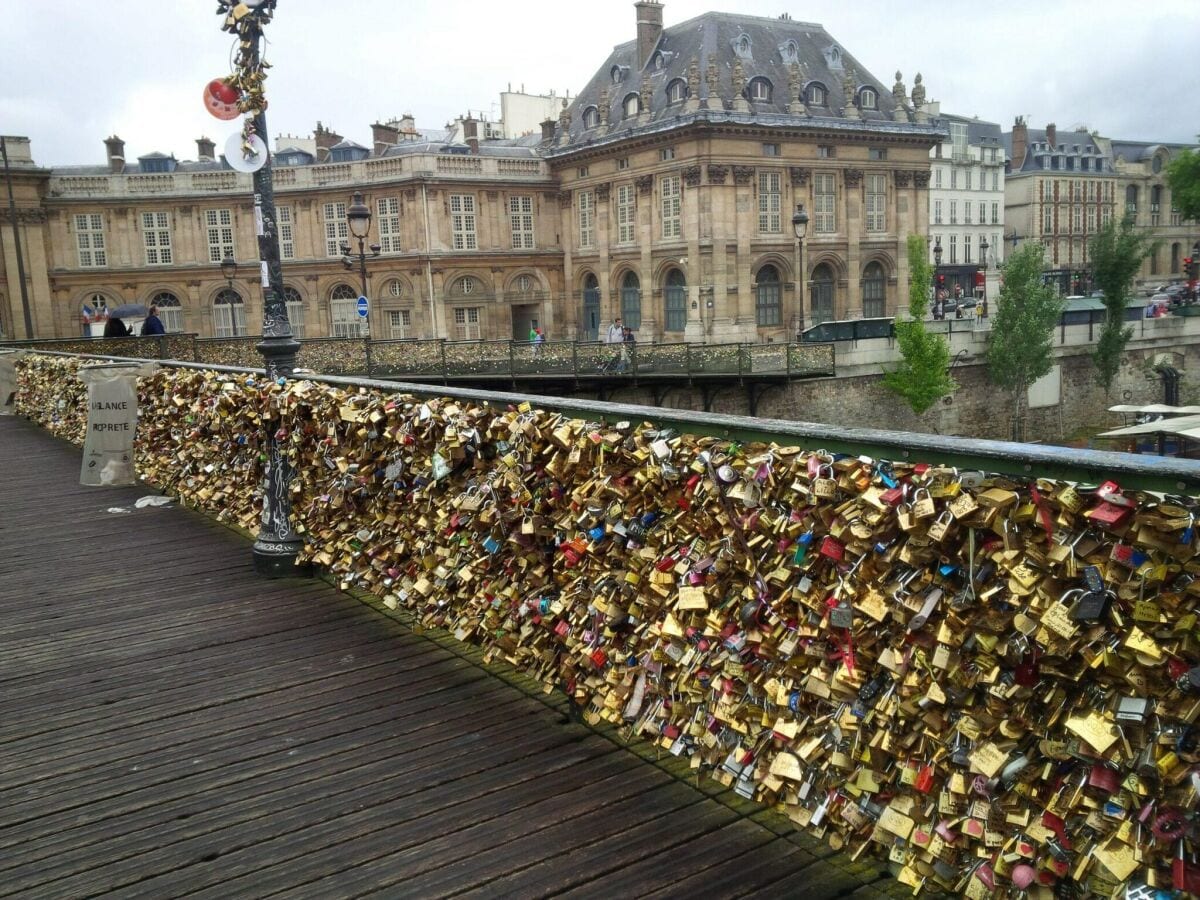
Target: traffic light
point(941, 280)
point(1190, 266)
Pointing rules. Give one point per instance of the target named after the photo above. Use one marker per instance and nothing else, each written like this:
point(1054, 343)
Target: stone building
point(1062, 186)
point(966, 203)
point(664, 191)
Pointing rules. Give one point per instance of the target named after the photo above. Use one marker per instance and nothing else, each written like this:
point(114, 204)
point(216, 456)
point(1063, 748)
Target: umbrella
point(128, 311)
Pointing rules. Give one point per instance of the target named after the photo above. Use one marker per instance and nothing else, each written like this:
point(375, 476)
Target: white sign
point(112, 422)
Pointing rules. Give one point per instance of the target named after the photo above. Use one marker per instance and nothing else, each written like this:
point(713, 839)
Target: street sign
point(362, 307)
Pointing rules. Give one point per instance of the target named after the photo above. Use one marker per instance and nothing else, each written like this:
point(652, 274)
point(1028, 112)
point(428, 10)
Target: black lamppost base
point(277, 559)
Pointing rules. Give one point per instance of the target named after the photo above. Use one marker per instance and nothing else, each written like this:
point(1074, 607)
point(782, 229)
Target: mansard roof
point(765, 47)
point(1037, 145)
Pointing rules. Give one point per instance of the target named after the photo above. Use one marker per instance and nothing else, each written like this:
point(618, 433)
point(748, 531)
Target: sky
point(99, 67)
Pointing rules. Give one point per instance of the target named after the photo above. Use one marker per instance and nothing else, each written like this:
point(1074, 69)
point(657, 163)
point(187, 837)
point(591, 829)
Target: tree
point(1183, 175)
point(1116, 252)
point(923, 376)
point(1021, 348)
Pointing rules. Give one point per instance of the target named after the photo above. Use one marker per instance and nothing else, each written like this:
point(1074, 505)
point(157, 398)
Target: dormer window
point(789, 52)
point(615, 74)
point(759, 90)
point(741, 46)
point(867, 99)
point(658, 62)
point(632, 105)
point(833, 56)
point(817, 94)
point(677, 91)
point(591, 117)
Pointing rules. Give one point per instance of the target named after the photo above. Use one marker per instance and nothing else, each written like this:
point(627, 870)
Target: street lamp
point(800, 227)
point(983, 248)
point(358, 220)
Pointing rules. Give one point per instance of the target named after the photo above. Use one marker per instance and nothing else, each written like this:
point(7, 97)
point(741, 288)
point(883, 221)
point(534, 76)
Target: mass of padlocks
point(992, 683)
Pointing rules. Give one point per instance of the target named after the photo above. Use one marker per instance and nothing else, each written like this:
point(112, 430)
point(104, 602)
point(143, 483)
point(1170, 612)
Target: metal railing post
point(512, 359)
point(445, 368)
point(575, 358)
point(367, 354)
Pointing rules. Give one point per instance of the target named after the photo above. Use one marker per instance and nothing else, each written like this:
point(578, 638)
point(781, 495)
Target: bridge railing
point(737, 589)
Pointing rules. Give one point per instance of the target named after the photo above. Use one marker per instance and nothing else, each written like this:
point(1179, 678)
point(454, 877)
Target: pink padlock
point(1023, 875)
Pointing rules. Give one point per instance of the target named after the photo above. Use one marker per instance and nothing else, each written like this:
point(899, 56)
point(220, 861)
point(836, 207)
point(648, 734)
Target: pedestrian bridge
point(799, 652)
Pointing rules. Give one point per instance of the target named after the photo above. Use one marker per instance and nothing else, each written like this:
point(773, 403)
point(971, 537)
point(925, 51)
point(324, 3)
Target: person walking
point(153, 324)
point(616, 333)
point(114, 327)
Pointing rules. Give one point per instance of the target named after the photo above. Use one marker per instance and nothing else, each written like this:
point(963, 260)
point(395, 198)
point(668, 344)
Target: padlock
point(841, 615)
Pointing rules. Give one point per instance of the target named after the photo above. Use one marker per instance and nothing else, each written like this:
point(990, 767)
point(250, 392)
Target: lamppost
point(278, 544)
point(937, 276)
point(800, 227)
point(358, 220)
point(983, 248)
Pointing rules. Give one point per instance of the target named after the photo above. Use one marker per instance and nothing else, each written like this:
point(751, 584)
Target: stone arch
point(533, 273)
point(828, 257)
point(385, 291)
point(780, 261)
point(581, 277)
point(454, 277)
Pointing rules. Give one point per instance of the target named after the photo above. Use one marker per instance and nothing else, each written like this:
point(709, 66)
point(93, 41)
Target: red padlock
point(1103, 779)
point(831, 548)
point(924, 780)
point(599, 659)
point(670, 730)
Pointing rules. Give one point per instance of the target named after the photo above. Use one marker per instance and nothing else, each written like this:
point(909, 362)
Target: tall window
point(675, 301)
point(873, 291)
point(295, 310)
point(287, 240)
point(89, 238)
point(343, 311)
point(587, 219)
point(937, 176)
point(953, 249)
point(462, 221)
point(967, 249)
point(876, 203)
point(669, 191)
point(337, 230)
point(388, 209)
point(954, 179)
point(169, 311)
point(399, 324)
point(1091, 220)
point(995, 214)
point(995, 181)
point(770, 201)
point(937, 212)
point(219, 225)
point(466, 323)
point(1047, 220)
point(229, 314)
point(1077, 219)
point(768, 298)
point(631, 301)
point(520, 214)
point(156, 235)
point(626, 214)
point(824, 204)
point(953, 212)
point(821, 308)
point(966, 212)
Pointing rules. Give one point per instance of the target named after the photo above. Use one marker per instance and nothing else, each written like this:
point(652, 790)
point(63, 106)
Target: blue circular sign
point(362, 307)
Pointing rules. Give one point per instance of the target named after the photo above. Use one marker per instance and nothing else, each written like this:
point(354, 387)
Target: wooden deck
point(172, 725)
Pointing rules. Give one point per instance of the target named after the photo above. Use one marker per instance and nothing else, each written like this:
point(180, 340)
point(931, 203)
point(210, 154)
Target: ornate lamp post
point(800, 228)
point(358, 220)
point(277, 544)
point(983, 248)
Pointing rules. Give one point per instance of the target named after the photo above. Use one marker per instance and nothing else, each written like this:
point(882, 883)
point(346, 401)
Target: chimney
point(1052, 136)
point(547, 130)
point(384, 136)
point(471, 134)
point(205, 149)
point(115, 148)
point(1020, 139)
point(649, 28)
point(408, 127)
point(326, 138)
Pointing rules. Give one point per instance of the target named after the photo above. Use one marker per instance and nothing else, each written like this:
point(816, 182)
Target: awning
point(1187, 426)
point(1159, 409)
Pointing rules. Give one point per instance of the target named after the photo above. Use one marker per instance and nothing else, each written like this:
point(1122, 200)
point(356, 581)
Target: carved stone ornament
point(691, 176)
point(739, 78)
point(602, 191)
point(853, 177)
point(31, 216)
point(800, 175)
point(921, 179)
point(717, 174)
point(918, 92)
point(743, 174)
point(603, 106)
point(710, 78)
point(903, 178)
point(493, 195)
point(647, 94)
point(898, 92)
point(693, 78)
point(644, 183)
point(564, 198)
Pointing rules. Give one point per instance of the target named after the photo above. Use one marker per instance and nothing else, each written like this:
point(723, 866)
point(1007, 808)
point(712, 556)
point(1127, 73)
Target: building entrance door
point(524, 318)
point(589, 326)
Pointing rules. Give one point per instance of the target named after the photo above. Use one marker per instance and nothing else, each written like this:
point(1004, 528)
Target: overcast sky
point(95, 67)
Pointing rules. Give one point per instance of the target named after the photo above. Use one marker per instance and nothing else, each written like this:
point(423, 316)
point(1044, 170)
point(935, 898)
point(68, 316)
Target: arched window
point(343, 311)
point(465, 286)
point(591, 309)
point(295, 309)
point(874, 291)
point(822, 294)
point(615, 74)
point(631, 301)
point(394, 288)
point(632, 105)
point(817, 95)
point(759, 90)
point(789, 52)
point(229, 314)
point(867, 99)
point(742, 47)
point(591, 117)
point(768, 298)
point(675, 301)
point(677, 91)
point(658, 61)
point(169, 311)
point(1131, 199)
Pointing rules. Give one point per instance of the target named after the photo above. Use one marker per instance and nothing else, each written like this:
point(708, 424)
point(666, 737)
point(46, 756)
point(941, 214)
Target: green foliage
point(1021, 348)
point(1116, 252)
point(923, 376)
point(1183, 174)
